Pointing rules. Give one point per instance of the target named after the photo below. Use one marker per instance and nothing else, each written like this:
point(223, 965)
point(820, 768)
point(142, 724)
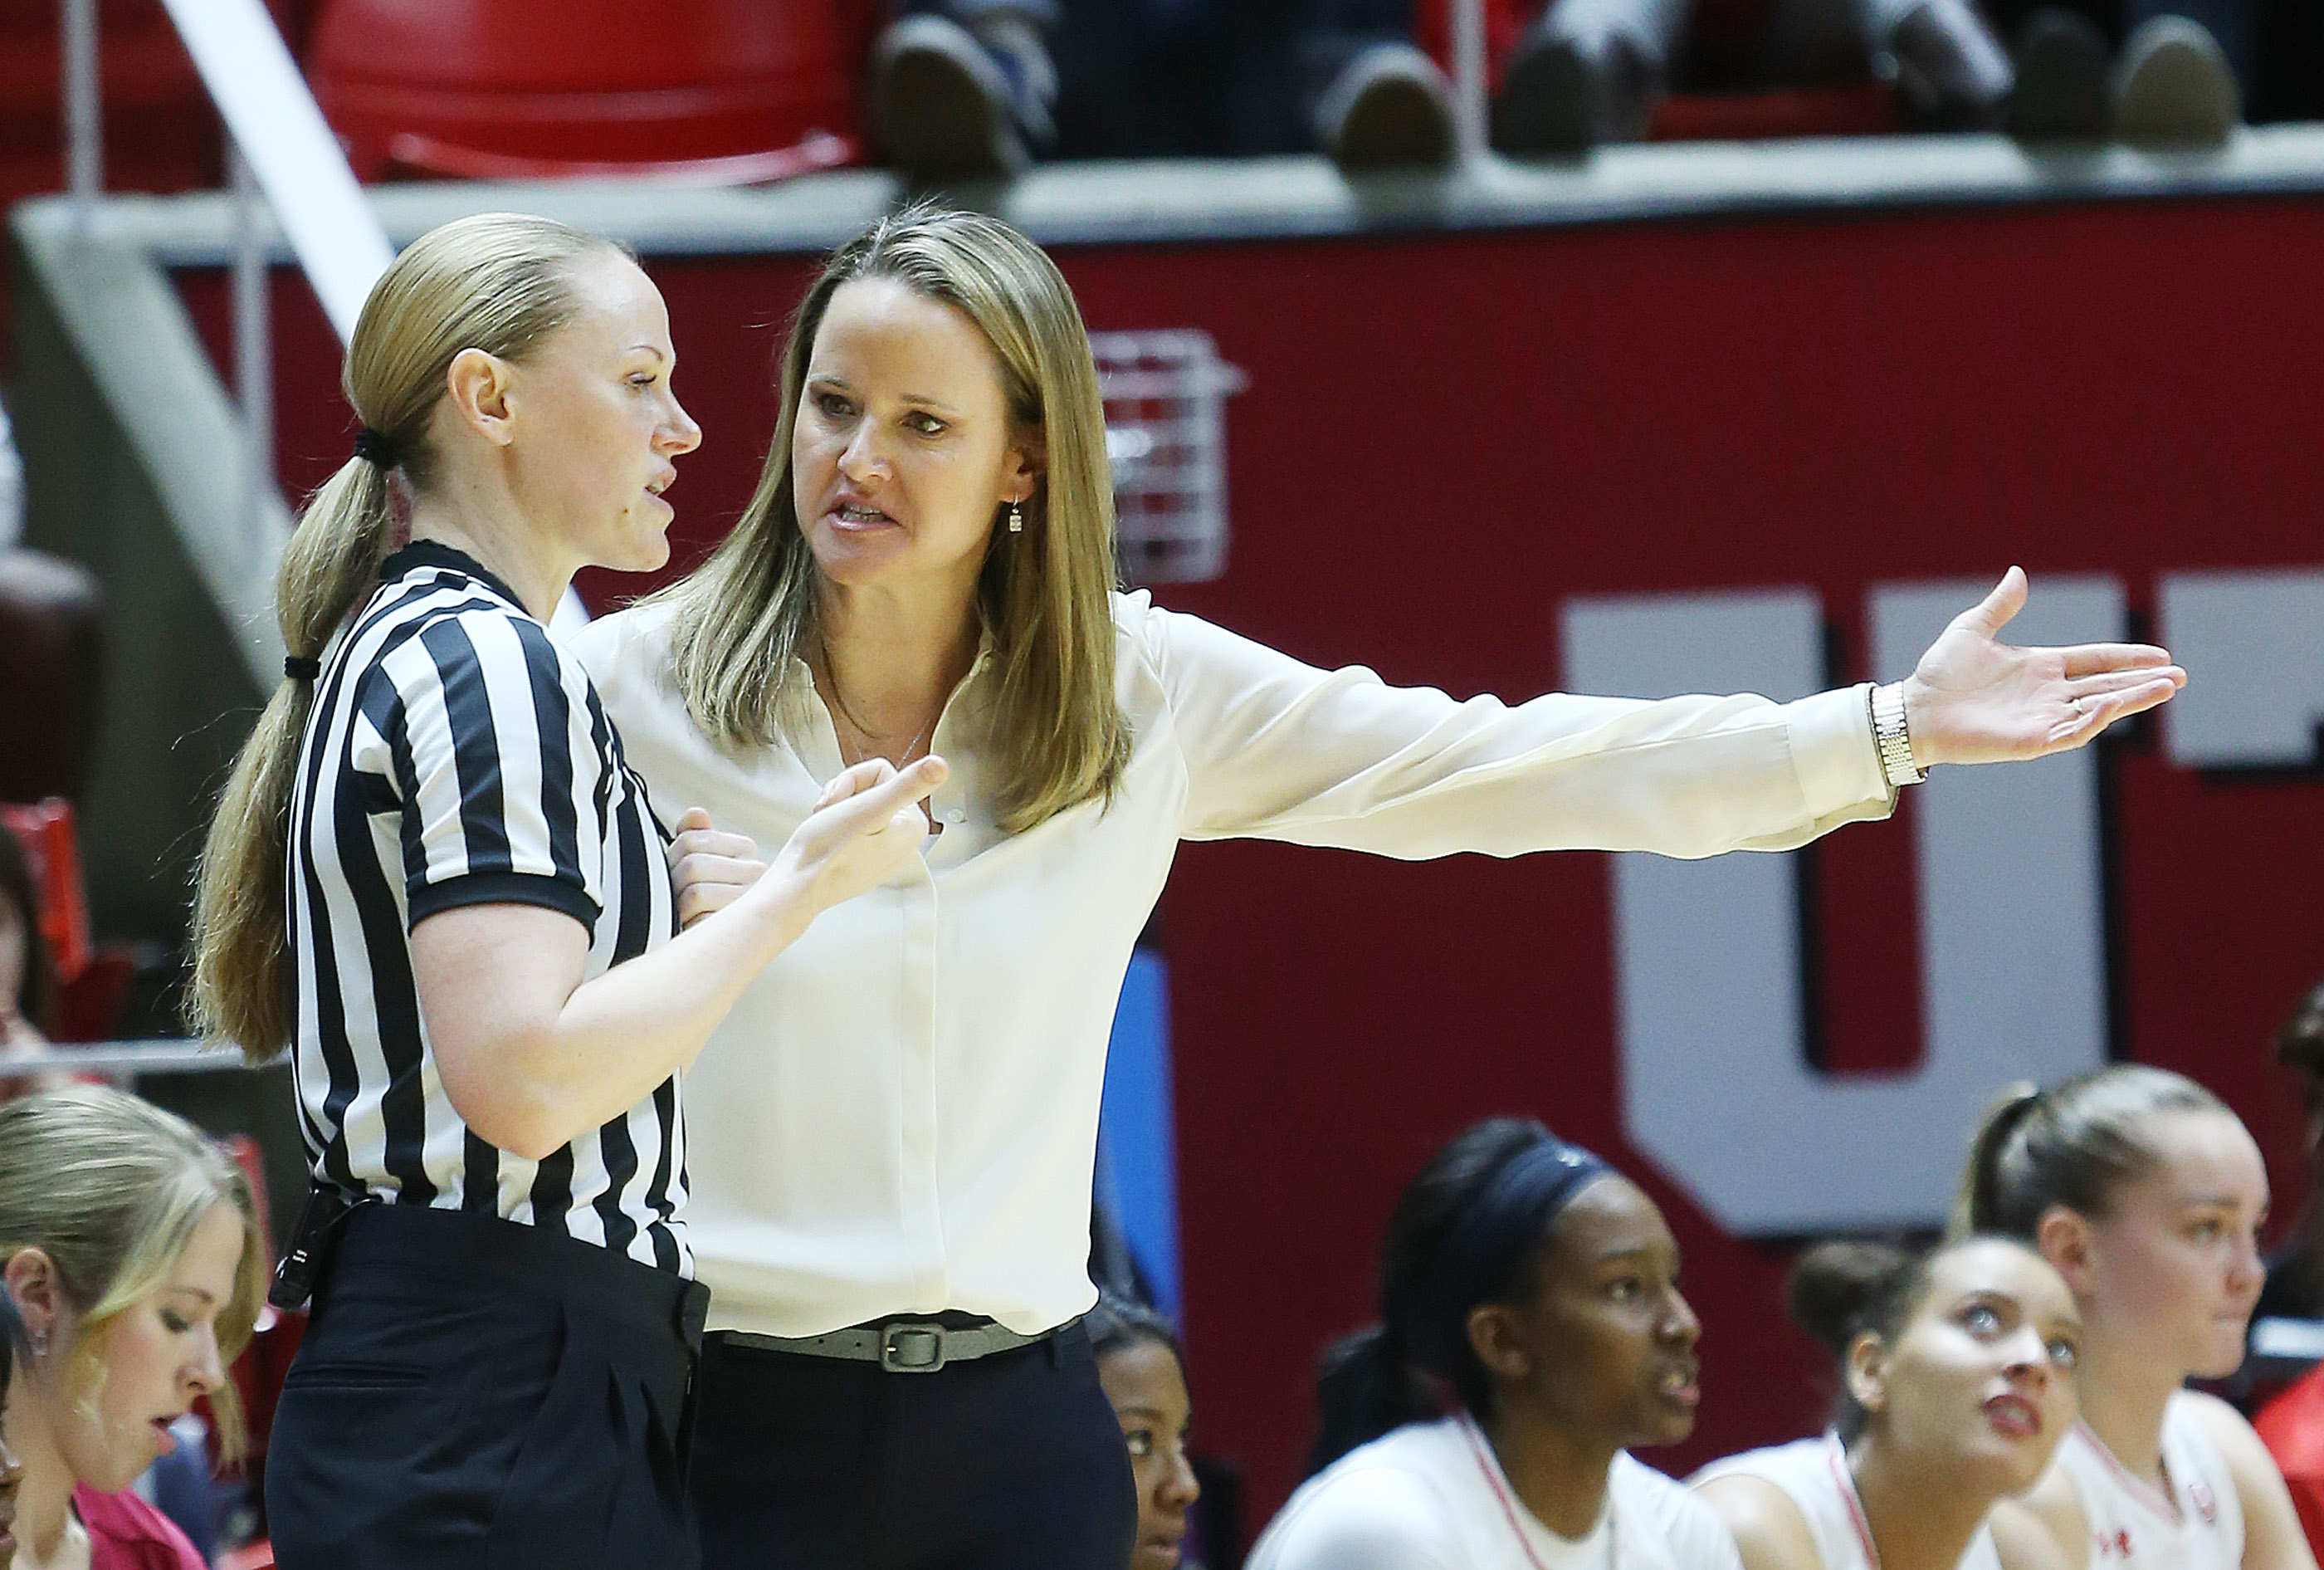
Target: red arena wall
point(1446, 437)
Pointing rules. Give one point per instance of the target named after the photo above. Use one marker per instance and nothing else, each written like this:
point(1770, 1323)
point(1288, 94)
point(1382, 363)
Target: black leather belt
point(897, 1346)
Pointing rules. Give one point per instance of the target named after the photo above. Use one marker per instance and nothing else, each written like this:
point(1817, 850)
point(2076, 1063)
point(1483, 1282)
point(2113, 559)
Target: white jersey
point(1432, 1496)
point(1814, 1475)
point(2135, 1525)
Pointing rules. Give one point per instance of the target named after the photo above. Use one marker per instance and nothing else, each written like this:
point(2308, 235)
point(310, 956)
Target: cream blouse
point(900, 1113)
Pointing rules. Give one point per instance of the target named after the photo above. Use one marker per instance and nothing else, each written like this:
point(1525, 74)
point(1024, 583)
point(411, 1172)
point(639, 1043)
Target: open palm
point(1975, 699)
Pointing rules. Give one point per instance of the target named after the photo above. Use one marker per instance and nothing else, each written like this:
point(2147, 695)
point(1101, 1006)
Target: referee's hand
point(866, 828)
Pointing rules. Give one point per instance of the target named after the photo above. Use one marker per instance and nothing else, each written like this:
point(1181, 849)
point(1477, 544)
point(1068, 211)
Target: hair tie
point(301, 667)
point(374, 448)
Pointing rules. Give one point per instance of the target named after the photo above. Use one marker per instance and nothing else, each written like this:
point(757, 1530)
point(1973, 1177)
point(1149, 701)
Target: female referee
point(433, 876)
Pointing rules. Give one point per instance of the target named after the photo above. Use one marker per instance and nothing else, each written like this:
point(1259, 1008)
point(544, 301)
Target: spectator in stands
point(965, 88)
point(1144, 1376)
point(1585, 71)
point(129, 1245)
point(27, 979)
point(1575, 73)
point(2181, 74)
point(2291, 1425)
point(1957, 1383)
point(2295, 1272)
point(1531, 1291)
point(1373, 99)
point(28, 982)
point(2147, 1195)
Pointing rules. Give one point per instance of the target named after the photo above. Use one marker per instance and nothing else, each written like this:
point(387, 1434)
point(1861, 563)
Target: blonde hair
point(1058, 736)
point(501, 282)
point(111, 1189)
point(2073, 1144)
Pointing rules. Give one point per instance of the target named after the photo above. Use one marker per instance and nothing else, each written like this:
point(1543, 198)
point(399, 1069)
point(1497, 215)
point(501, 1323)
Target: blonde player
point(2148, 1196)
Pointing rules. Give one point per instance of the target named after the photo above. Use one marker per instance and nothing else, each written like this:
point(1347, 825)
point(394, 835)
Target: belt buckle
point(912, 1348)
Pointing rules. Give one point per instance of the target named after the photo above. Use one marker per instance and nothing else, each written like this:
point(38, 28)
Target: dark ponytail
point(1367, 1387)
point(1464, 1232)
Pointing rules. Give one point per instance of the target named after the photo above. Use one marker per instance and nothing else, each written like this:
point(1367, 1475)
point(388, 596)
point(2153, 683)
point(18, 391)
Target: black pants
point(1013, 1462)
point(476, 1393)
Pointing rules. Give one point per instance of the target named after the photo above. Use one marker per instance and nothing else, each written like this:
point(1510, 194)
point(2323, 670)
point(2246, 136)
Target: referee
point(434, 879)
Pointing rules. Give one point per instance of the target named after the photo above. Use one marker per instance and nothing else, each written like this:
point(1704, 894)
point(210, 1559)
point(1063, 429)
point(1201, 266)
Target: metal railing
point(158, 1054)
point(1165, 437)
point(1469, 109)
point(279, 153)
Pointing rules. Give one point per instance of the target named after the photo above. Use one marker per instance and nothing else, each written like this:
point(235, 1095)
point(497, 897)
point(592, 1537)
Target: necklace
point(839, 707)
point(909, 747)
point(1509, 1507)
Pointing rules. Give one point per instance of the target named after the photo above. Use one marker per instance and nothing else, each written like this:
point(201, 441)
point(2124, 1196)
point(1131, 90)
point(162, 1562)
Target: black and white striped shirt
point(456, 756)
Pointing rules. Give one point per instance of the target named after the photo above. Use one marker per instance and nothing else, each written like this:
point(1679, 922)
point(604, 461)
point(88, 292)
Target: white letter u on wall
point(1717, 1088)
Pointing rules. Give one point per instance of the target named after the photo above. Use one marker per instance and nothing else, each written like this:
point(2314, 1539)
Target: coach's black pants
point(473, 1393)
point(1012, 1462)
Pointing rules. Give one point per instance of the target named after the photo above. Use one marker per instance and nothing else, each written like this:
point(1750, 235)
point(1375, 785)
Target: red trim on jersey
point(1837, 1454)
point(2163, 1502)
point(1501, 1492)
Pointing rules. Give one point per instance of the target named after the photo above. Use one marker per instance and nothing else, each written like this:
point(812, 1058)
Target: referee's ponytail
point(499, 282)
point(1464, 1233)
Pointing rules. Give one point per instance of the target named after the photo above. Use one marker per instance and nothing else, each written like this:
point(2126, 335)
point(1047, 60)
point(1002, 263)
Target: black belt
point(902, 1345)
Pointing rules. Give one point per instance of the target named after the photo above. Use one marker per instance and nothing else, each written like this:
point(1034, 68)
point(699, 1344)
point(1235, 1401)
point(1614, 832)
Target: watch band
point(1892, 739)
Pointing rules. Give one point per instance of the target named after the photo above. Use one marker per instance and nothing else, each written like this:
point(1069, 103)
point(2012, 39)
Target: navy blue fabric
point(472, 1393)
point(1012, 1462)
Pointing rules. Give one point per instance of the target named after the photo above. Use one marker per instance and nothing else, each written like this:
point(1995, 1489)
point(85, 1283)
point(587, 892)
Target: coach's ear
point(2065, 1239)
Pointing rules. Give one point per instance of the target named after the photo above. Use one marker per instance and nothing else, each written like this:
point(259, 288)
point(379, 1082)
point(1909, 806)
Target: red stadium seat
point(708, 89)
point(92, 978)
point(1862, 109)
point(45, 829)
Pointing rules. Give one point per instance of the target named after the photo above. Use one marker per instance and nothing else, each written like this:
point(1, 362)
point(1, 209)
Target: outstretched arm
point(1279, 750)
point(1975, 699)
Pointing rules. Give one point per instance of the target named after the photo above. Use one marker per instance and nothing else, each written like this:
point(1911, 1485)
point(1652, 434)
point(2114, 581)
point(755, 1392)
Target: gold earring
point(1015, 519)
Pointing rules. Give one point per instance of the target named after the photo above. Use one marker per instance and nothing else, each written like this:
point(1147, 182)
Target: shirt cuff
point(1833, 751)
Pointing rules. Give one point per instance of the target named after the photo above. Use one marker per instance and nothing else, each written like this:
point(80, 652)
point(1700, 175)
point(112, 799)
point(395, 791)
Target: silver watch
point(1891, 737)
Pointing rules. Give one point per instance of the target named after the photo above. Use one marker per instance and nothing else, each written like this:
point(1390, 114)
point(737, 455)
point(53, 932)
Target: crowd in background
point(982, 86)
